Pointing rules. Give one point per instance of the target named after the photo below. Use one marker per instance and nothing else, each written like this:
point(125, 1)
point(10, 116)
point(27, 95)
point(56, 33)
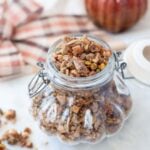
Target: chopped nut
point(77, 50)
point(86, 40)
point(73, 41)
point(95, 107)
point(93, 66)
point(97, 123)
point(74, 73)
point(61, 129)
point(64, 49)
point(13, 137)
point(61, 99)
point(24, 135)
point(107, 53)
point(12, 132)
point(75, 109)
point(65, 57)
point(86, 47)
point(90, 56)
point(97, 58)
point(97, 70)
point(67, 71)
point(28, 130)
point(79, 65)
point(10, 114)
point(101, 66)
point(92, 73)
point(88, 63)
point(83, 56)
point(29, 144)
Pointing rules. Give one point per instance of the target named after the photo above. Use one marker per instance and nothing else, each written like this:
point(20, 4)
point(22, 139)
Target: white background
point(135, 135)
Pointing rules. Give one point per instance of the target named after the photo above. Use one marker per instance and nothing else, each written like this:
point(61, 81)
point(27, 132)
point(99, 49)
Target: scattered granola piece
point(28, 130)
point(10, 114)
point(13, 137)
point(29, 144)
point(25, 135)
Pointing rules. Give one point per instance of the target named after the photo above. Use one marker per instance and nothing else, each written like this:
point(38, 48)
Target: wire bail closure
point(120, 65)
point(39, 82)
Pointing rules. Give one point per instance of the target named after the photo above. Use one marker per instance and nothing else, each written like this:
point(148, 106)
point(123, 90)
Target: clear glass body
point(80, 110)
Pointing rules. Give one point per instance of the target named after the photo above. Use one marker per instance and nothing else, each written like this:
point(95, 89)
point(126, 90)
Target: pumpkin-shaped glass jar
point(79, 109)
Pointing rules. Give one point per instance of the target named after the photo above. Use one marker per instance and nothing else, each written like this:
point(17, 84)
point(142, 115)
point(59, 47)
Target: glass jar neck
point(73, 83)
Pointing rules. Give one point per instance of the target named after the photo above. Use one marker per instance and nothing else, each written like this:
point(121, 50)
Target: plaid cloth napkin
point(26, 34)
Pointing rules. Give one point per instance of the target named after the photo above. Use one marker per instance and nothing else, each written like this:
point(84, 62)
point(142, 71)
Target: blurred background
point(139, 30)
point(27, 30)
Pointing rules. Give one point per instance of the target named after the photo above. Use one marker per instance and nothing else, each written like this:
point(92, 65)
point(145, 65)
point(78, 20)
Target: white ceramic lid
point(137, 57)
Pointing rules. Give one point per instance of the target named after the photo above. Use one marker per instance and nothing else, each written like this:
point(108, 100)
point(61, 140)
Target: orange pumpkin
point(116, 15)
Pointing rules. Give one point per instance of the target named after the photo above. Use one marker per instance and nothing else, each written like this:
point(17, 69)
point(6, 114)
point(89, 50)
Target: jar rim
point(79, 82)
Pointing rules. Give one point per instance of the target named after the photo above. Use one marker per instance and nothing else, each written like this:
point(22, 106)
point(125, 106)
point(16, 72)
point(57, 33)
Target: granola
point(13, 137)
point(70, 119)
point(80, 57)
point(10, 114)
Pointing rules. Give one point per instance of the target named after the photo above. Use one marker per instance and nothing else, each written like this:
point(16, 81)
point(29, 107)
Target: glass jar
point(78, 110)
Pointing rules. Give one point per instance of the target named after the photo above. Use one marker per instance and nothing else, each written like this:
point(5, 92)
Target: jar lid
point(137, 57)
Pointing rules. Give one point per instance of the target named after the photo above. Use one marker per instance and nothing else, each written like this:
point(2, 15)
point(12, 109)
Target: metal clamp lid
point(39, 81)
point(120, 65)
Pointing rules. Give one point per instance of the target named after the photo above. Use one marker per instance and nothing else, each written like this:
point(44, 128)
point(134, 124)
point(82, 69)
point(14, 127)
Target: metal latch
point(120, 65)
point(39, 82)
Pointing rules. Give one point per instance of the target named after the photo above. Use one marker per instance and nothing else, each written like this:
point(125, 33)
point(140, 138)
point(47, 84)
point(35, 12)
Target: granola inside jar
point(78, 96)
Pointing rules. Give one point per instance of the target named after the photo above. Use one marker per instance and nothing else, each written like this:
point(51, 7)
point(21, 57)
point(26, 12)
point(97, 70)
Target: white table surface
point(135, 135)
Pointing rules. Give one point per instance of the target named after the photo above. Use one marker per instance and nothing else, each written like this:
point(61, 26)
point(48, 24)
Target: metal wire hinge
point(39, 81)
point(121, 65)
